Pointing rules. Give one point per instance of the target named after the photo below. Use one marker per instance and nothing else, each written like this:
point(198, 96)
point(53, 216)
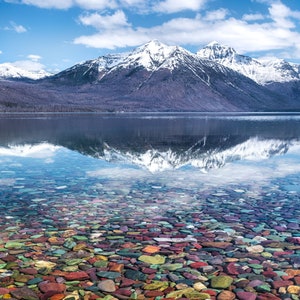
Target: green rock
point(255, 266)
point(13, 245)
point(153, 260)
point(171, 267)
point(34, 281)
point(179, 293)
point(157, 285)
point(100, 264)
point(221, 282)
point(70, 244)
point(70, 268)
point(109, 275)
point(80, 237)
point(197, 296)
point(73, 262)
point(263, 288)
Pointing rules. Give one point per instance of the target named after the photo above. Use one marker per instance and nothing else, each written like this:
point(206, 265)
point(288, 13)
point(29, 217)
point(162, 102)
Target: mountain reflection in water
point(155, 142)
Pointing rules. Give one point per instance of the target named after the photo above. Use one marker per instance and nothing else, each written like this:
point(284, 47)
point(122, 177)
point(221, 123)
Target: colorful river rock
point(73, 235)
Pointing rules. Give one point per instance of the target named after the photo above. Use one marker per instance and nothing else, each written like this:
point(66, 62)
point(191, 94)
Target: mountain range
point(157, 77)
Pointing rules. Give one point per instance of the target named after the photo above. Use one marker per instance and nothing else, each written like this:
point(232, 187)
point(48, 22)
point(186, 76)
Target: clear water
point(238, 174)
point(129, 160)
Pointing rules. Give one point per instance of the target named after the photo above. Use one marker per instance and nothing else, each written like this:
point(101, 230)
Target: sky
point(56, 34)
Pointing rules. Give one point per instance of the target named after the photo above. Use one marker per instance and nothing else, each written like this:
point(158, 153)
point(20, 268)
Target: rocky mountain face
point(157, 77)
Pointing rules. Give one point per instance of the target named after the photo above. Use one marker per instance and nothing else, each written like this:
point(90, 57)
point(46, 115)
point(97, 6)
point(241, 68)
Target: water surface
point(223, 178)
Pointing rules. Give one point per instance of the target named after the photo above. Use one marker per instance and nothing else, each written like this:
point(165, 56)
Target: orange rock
point(115, 267)
point(292, 272)
point(80, 246)
point(151, 249)
point(221, 245)
point(57, 297)
point(55, 240)
point(128, 245)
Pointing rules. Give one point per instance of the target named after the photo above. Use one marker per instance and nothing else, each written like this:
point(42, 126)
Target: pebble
point(226, 295)
point(104, 240)
point(221, 282)
point(107, 286)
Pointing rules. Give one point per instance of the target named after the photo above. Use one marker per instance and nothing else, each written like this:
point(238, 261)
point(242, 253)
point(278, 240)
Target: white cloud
point(282, 15)
point(173, 6)
point(34, 57)
point(214, 15)
point(59, 4)
point(273, 32)
point(17, 28)
point(1, 52)
point(101, 22)
point(165, 6)
point(253, 17)
point(95, 4)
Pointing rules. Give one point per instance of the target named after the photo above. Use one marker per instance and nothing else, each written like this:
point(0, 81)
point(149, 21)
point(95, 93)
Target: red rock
point(57, 288)
point(149, 271)
point(179, 225)
point(231, 269)
point(9, 258)
point(153, 294)
point(41, 239)
point(297, 280)
point(210, 292)
point(220, 245)
point(29, 271)
point(124, 292)
point(246, 295)
point(198, 264)
point(197, 246)
point(127, 282)
point(49, 278)
point(270, 274)
point(282, 253)
point(281, 283)
point(81, 275)
point(267, 296)
point(295, 240)
point(4, 291)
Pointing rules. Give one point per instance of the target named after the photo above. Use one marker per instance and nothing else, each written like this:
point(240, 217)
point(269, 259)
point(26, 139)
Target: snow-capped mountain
point(158, 77)
point(9, 71)
point(156, 160)
point(263, 71)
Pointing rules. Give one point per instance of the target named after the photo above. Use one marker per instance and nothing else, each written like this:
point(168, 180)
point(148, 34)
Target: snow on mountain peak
point(151, 55)
point(9, 71)
point(216, 51)
point(261, 71)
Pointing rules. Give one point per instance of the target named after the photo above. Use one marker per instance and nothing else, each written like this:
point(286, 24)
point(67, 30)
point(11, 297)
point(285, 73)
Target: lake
point(150, 206)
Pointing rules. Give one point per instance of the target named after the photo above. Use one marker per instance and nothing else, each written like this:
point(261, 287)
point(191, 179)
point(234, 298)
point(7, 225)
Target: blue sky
point(56, 34)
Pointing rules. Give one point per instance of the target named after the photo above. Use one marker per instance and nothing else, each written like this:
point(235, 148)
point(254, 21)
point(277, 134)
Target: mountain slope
point(159, 77)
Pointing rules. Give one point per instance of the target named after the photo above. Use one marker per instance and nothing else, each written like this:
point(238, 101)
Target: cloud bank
point(115, 27)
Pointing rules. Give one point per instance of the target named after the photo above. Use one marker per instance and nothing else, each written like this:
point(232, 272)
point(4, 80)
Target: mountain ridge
point(157, 77)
